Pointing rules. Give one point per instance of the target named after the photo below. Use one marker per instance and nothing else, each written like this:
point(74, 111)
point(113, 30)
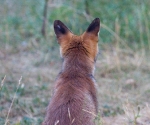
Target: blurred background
point(30, 61)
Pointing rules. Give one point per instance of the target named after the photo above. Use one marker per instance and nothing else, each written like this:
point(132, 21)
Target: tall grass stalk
point(7, 36)
point(117, 31)
point(147, 28)
point(2, 82)
point(140, 29)
point(136, 116)
point(14, 97)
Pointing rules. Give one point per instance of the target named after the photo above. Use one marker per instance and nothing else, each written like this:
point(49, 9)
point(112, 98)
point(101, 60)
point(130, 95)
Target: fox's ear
point(60, 28)
point(94, 27)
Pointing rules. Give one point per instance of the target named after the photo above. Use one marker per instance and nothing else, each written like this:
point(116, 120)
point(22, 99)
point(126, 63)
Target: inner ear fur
point(60, 28)
point(94, 27)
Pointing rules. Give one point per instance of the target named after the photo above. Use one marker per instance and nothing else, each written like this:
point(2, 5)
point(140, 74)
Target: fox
point(74, 100)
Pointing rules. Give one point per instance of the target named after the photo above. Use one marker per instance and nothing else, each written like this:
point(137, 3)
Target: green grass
point(122, 69)
point(22, 20)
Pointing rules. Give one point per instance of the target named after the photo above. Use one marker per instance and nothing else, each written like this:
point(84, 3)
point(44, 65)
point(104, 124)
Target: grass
point(122, 69)
point(7, 117)
point(120, 91)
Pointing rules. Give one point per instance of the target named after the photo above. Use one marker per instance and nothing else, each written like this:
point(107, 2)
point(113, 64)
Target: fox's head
point(86, 44)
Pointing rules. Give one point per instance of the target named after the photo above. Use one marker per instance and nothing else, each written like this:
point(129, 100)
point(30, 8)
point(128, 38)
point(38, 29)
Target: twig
point(43, 30)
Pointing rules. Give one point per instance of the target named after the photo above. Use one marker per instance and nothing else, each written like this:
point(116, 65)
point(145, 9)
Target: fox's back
point(71, 104)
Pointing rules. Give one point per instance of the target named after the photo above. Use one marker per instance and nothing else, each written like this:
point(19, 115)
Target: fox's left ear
point(60, 29)
point(62, 32)
point(94, 27)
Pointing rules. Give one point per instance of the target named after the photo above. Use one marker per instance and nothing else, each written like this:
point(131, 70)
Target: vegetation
point(122, 68)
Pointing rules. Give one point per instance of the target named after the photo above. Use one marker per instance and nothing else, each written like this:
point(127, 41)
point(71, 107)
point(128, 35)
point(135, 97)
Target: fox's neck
point(77, 66)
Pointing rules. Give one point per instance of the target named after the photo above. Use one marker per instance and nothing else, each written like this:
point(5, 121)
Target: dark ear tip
point(59, 27)
point(56, 22)
point(94, 26)
point(97, 20)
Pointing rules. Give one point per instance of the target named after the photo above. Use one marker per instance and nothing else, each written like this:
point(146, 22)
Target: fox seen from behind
point(74, 100)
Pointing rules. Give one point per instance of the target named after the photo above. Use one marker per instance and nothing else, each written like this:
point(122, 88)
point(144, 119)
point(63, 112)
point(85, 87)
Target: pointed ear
point(60, 29)
point(94, 27)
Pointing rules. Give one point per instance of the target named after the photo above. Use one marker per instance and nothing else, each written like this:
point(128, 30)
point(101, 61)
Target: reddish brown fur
point(74, 101)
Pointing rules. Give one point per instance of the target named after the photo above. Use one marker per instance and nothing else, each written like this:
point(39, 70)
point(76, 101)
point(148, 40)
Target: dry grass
point(122, 77)
point(124, 89)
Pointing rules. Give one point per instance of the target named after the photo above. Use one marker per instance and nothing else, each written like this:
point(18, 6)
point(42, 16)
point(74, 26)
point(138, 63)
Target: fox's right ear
point(60, 29)
point(94, 27)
